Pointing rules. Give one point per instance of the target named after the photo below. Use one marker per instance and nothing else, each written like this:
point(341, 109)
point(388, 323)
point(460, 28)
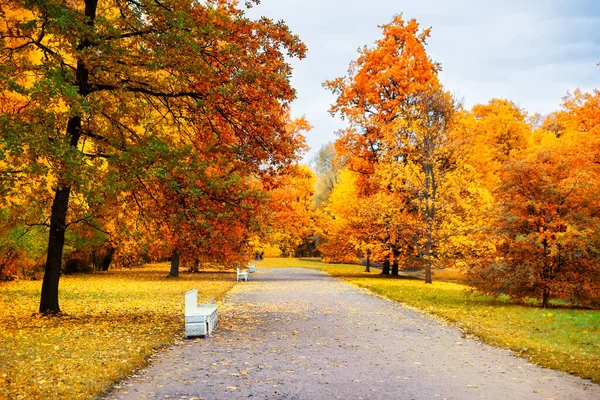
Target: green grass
point(562, 338)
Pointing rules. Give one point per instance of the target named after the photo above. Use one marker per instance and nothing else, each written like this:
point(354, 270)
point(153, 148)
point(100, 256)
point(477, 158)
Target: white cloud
point(531, 52)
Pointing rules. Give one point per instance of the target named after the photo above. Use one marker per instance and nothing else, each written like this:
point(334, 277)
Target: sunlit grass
point(113, 321)
point(560, 338)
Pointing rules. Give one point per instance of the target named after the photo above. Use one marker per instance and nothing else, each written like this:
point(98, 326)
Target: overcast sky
point(529, 51)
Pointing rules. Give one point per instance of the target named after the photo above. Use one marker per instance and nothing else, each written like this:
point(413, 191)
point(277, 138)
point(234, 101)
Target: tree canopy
point(105, 101)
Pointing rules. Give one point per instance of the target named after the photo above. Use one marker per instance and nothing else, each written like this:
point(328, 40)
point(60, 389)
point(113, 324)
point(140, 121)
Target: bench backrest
point(191, 301)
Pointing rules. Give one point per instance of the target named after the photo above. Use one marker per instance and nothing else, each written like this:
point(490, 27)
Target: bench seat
point(243, 275)
point(199, 320)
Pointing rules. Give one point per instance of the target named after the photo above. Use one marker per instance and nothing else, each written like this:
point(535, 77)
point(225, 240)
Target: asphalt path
point(300, 334)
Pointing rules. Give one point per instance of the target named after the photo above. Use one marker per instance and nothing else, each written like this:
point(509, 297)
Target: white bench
point(242, 275)
point(251, 268)
point(201, 319)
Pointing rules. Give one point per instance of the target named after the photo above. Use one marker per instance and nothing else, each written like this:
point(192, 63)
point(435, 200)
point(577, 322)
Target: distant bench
point(242, 275)
point(201, 319)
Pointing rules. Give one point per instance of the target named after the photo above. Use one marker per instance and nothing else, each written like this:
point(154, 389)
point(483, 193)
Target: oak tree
point(102, 82)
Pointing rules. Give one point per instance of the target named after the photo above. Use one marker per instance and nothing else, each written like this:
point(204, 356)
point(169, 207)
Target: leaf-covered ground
point(561, 338)
point(112, 323)
point(296, 333)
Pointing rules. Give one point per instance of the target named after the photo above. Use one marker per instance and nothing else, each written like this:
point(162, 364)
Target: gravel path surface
point(300, 334)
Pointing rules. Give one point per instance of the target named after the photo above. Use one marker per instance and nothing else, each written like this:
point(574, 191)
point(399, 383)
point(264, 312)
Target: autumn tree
point(201, 208)
point(547, 227)
point(288, 219)
point(579, 113)
point(490, 133)
point(104, 82)
point(337, 220)
point(326, 165)
point(355, 221)
point(400, 137)
point(503, 126)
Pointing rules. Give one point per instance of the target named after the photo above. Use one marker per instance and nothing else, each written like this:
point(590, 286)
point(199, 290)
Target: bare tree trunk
point(428, 275)
point(368, 267)
point(545, 298)
point(386, 267)
point(107, 259)
point(56, 243)
point(174, 264)
point(309, 247)
point(395, 254)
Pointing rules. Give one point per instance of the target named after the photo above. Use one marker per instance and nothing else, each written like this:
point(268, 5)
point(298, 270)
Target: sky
point(532, 52)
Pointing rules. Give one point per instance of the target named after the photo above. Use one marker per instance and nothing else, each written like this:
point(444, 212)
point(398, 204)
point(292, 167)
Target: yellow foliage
point(116, 320)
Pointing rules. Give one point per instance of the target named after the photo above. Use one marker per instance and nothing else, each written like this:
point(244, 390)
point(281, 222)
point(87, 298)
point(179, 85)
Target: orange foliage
point(184, 102)
point(288, 216)
point(547, 229)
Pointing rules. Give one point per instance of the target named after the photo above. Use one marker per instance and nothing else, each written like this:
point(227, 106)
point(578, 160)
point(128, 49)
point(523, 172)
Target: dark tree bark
point(396, 254)
point(368, 267)
point(386, 268)
point(428, 274)
point(395, 268)
point(545, 298)
point(309, 247)
point(107, 259)
point(56, 243)
point(174, 264)
point(60, 204)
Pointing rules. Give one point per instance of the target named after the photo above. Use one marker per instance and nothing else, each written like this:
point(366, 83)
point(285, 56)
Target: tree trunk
point(56, 243)
point(428, 251)
point(545, 298)
point(368, 267)
point(174, 264)
point(428, 275)
point(395, 262)
point(386, 268)
point(56, 236)
point(107, 259)
point(309, 247)
point(60, 204)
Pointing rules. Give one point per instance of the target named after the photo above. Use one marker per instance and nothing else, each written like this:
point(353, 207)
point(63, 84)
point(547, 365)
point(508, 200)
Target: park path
point(300, 334)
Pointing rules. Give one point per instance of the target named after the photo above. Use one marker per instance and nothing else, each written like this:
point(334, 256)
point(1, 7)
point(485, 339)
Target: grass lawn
point(559, 338)
point(113, 322)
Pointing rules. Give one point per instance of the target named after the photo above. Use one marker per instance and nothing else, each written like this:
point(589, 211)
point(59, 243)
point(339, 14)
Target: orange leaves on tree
point(401, 139)
point(116, 93)
point(379, 83)
point(288, 218)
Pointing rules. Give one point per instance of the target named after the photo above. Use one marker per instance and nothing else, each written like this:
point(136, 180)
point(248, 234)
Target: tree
point(490, 133)
point(204, 208)
point(502, 125)
point(547, 227)
point(327, 166)
point(337, 221)
point(288, 219)
point(379, 83)
point(103, 82)
point(579, 113)
point(401, 138)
